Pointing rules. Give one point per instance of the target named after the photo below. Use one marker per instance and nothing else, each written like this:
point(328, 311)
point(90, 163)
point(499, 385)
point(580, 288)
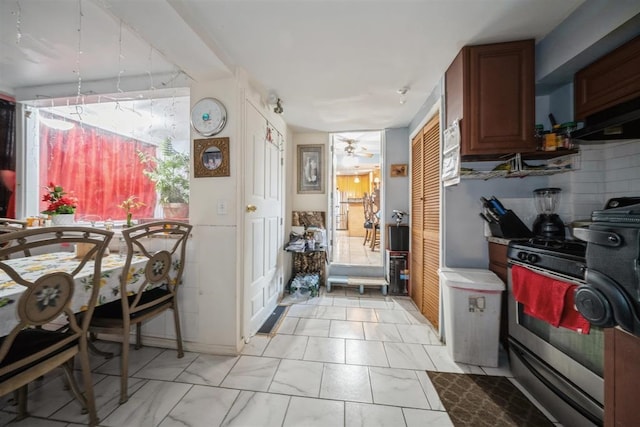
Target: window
point(107, 149)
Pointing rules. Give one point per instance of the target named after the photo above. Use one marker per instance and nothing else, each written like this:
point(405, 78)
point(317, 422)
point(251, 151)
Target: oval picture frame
point(211, 157)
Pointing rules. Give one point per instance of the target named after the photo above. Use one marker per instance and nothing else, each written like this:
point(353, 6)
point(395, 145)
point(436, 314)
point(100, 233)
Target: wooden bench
point(358, 281)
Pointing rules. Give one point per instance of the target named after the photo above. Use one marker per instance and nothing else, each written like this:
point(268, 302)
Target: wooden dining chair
point(146, 291)
point(38, 300)
point(368, 224)
point(9, 225)
point(16, 223)
point(374, 212)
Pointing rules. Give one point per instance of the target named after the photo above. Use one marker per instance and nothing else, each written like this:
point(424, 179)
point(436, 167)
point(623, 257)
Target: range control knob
point(522, 256)
point(533, 258)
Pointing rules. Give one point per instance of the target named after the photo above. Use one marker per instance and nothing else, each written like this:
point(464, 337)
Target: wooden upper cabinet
point(491, 89)
point(610, 80)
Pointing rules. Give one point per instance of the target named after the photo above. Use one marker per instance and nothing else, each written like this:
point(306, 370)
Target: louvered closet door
point(431, 221)
point(417, 209)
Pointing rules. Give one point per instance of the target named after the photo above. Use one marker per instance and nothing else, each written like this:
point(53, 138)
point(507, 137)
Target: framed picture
point(399, 169)
point(211, 157)
point(310, 169)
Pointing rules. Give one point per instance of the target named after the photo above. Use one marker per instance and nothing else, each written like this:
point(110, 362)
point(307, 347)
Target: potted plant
point(170, 173)
point(129, 205)
point(61, 206)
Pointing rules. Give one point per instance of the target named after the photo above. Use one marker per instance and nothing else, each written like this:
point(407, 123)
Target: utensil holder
point(510, 226)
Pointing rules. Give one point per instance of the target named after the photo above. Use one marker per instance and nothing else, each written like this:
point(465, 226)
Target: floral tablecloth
point(35, 266)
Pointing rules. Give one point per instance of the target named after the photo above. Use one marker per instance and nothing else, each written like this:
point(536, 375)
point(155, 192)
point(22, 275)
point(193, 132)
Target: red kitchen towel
point(542, 297)
point(547, 299)
point(571, 318)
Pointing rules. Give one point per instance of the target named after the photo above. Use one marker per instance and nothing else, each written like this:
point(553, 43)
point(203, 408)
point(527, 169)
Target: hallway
point(350, 250)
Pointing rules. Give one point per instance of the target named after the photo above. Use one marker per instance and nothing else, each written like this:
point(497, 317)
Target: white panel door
point(263, 220)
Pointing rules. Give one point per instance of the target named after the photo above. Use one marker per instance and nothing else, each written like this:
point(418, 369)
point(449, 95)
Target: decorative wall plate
point(208, 116)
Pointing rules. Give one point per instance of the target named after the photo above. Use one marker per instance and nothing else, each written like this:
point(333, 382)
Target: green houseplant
point(170, 174)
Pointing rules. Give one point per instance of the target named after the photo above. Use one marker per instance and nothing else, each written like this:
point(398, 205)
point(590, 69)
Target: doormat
point(270, 325)
point(483, 400)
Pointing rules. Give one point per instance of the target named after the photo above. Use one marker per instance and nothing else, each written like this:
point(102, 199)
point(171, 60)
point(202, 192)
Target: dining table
point(38, 265)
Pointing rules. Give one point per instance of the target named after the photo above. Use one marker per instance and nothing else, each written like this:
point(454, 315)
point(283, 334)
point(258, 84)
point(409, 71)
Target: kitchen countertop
point(499, 240)
point(505, 241)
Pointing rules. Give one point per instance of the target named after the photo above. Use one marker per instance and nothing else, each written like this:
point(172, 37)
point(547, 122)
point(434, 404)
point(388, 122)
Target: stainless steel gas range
point(560, 364)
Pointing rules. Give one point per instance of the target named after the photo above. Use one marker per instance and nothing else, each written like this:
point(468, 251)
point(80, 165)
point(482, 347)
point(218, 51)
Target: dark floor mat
point(483, 400)
point(270, 325)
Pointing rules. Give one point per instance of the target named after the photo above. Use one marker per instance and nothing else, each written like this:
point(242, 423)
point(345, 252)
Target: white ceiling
point(337, 65)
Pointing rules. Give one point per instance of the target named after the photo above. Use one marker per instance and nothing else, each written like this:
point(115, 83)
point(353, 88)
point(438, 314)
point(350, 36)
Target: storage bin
point(471, 300)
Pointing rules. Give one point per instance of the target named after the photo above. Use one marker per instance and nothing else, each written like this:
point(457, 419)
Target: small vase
point(63, 219)
point(129, 220)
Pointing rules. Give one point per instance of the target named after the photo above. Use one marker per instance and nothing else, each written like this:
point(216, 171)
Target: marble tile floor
point(340, 359)
point(350, 250)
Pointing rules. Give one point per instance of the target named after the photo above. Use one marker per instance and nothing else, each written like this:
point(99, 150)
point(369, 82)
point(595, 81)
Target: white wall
point(215, 241)
point(212, 301)
point(311, 202)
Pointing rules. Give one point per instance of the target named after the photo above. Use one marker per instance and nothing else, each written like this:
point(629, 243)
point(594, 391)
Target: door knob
point(251, 208)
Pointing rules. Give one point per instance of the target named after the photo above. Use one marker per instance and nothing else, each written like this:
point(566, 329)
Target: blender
point(548, 224)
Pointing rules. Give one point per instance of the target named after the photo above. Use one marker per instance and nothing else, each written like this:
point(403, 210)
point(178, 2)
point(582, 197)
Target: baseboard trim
point(170, 343)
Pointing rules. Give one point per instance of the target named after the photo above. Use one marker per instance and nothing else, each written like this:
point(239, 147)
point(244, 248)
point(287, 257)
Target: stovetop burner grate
point(573, 247)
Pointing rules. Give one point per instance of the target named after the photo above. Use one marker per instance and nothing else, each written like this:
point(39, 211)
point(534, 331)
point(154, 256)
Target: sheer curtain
point(100, 168)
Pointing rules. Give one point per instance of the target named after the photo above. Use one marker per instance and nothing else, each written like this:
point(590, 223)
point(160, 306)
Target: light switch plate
point(222, 207)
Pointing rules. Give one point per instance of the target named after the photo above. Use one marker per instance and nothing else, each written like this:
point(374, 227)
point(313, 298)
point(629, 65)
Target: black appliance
point(621, 121)
point(611, 295)
point(548, 222)
point(619, 202)
point(398, 237)
point(561, 368)
point(398, 273)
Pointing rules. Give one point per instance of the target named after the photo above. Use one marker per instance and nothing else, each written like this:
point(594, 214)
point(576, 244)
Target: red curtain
point(100, 168)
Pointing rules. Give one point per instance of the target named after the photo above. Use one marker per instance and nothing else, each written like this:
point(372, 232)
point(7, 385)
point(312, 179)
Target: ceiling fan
point(351, 149)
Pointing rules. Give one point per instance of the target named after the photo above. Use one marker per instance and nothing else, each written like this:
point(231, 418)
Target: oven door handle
point(603, 238)
point(521, 355)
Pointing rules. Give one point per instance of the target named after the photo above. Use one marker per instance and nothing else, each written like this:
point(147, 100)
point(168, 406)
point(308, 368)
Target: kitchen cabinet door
point(621, 378)
point(491, 89)
point(610, 80)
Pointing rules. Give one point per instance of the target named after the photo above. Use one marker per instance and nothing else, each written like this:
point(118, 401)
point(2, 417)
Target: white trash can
point(471, 301)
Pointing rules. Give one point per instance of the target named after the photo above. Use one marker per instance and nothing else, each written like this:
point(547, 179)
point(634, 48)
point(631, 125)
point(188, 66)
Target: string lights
point(18, 14)
point(79, 109)
point(120, 57)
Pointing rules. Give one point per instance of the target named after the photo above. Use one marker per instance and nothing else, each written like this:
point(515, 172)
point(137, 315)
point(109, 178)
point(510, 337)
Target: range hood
point(621, 121)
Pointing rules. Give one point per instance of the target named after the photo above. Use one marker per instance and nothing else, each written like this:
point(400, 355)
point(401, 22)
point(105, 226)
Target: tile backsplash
point(607, 170)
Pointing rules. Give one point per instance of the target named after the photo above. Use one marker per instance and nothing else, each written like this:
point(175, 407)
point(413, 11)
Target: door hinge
point(281, 161)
